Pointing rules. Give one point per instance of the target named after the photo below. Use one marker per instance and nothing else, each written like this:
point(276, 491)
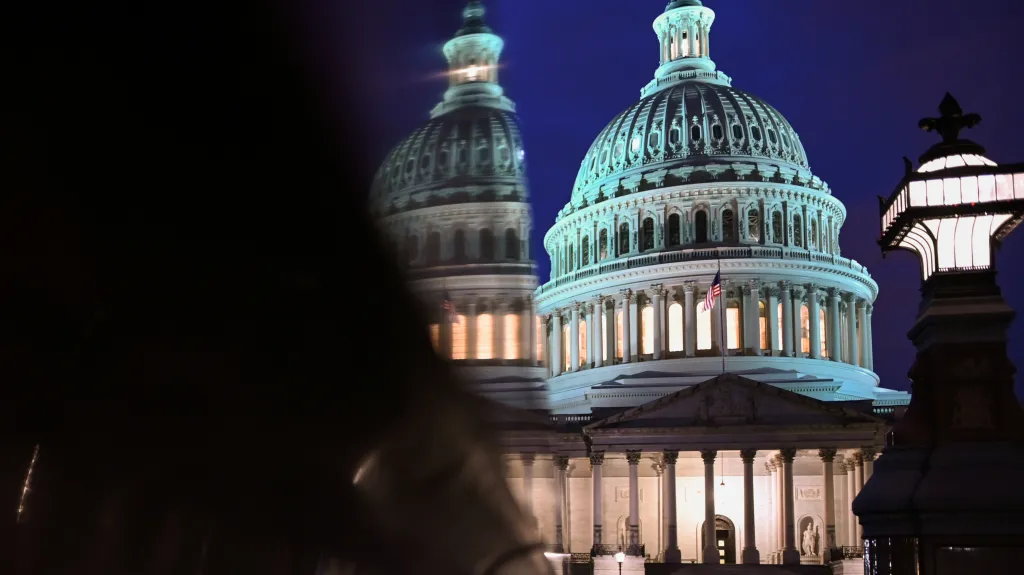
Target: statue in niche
point(810, 538)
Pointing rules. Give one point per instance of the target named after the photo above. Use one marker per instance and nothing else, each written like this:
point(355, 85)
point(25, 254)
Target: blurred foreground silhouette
point(205, 340)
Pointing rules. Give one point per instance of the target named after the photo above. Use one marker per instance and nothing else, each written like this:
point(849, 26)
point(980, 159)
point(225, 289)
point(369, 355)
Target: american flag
point(715, 291)
point(449, 308)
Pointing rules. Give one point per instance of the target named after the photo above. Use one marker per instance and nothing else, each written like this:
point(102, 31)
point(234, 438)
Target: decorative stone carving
point(724, 403)
point(809, 493)
point(690, 286)
point(561, 462)
point(633, 456)
point(597, 458)
point(670, 457)
point(788, 454)
point(748, 455)
point(773, 292)
point(833, 292)
point(708, 455)
point(527, 458)
point(827, 454)
point(867, 453)
point(850, 298)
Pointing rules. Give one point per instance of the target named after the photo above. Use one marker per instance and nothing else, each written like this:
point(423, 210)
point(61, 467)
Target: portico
point(730, 470)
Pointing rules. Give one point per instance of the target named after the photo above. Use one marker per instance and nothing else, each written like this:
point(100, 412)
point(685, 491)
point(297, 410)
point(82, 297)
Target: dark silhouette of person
point(204, 341)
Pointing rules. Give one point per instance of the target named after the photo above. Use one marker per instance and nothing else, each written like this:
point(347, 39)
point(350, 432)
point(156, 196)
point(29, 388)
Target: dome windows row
point(621, 235)
point(462, 246)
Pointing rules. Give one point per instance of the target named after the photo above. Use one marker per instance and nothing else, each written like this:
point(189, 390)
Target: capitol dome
point(699, 180)
point(452, 199)
point(689, 124)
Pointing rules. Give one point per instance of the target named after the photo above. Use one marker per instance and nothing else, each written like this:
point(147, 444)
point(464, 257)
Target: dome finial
point(682, 4)
point(473, 19)
point(951, 121)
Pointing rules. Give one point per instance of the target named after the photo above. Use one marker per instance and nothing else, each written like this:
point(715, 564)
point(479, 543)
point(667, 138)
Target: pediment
point(731, 400)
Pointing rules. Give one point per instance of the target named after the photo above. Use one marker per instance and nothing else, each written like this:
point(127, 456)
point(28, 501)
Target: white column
point(869, 338)
point(781, 517)
point(842, 522)
point(471, 330)
point(752, 312)
point(773, 508)
point(773, 320)
point(598, 316)
point(574, 337)
point(672, 553)
point(633, 458)
point(634, 324)
point(659, 312)
point(689, 311)
point(835, 352)
point(787, 319)
point(596, 467)
point(862, 321)
point(851, 494)
point(561, 464)
point(827, 457)
point(851, 327)
point(710, 542)
point(527, 459)
point(609, 326)
point(868, 455)
point(556, 344)
point(627, 351)
point(814, 313)
point(790, 555)
point(750, 554)
point(858, 482)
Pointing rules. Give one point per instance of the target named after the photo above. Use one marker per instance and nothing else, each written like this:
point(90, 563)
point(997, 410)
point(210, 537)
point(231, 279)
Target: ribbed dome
point(474, 146)
point(690, 123)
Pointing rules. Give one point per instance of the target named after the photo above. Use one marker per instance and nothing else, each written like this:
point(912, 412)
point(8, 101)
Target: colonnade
point(782, 538)
point(489, 328)
point(773, 318)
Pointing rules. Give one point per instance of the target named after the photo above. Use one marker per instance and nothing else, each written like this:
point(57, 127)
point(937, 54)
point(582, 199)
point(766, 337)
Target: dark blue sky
point(853, 78)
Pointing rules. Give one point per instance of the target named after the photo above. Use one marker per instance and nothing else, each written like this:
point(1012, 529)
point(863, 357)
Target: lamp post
point(620, 557)
point(946, 489)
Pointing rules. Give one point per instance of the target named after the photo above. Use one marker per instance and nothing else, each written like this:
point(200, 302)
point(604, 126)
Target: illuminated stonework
point(695, 177)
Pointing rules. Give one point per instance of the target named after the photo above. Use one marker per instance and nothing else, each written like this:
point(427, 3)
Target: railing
point(572, 418)
point(611, 549)
point(580, 558)
point(851, 553)
point(451, 269)
point(697, 254)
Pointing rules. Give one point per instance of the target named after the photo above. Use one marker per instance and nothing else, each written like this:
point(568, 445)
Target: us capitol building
point(637, 431)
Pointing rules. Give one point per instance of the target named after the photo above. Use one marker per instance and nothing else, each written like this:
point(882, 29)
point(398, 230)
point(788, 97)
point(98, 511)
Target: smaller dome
point(469, 146)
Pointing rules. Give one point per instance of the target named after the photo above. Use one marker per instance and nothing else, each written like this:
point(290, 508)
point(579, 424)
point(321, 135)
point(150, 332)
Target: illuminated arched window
point(566, 350)
point(805, 329)
point(821, 332)
point(602, 244)
point(539, 334)
point(585, 251)
point(511, 336)
point(732, 319)
point(798, 231)
point(484, 336)
point(583, 342)
point(435, 337)
point(647, 329)
point(459, 337)
point(762, 322)
point(703, 327)
point(675, 327)
point(618, 334)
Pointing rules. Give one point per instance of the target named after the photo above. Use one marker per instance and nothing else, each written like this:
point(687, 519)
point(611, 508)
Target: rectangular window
point(703, 327)
point(732, 318)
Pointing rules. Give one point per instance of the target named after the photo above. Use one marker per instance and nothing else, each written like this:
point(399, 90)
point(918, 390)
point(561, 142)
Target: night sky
point(852, 78)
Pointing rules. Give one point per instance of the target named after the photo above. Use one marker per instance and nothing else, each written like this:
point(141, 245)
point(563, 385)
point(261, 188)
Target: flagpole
point(721, 314)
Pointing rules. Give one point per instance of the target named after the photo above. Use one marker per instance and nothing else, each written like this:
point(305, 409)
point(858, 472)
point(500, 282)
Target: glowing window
point(634, 145)
point(566, 350)
point(539, 334)
point(511, 336)
point(805, 329)
point(675, 327)
point(703, 327)
point(647, 329)
point(583, 342)
point(459, 337)
point(484, 336)
point(618, 334)
point(435, 337)
point(762, 322)
point(822, 332)
point(732, 318)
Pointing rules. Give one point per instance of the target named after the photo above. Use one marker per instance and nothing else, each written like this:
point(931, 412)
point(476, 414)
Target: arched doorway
point(725, 536)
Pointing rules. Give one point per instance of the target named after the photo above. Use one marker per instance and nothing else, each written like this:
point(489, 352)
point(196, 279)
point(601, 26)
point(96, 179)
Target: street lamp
point(620, 557)
point(923, 507)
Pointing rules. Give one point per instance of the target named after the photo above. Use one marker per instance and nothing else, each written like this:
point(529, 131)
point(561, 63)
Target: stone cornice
point(453, 211)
